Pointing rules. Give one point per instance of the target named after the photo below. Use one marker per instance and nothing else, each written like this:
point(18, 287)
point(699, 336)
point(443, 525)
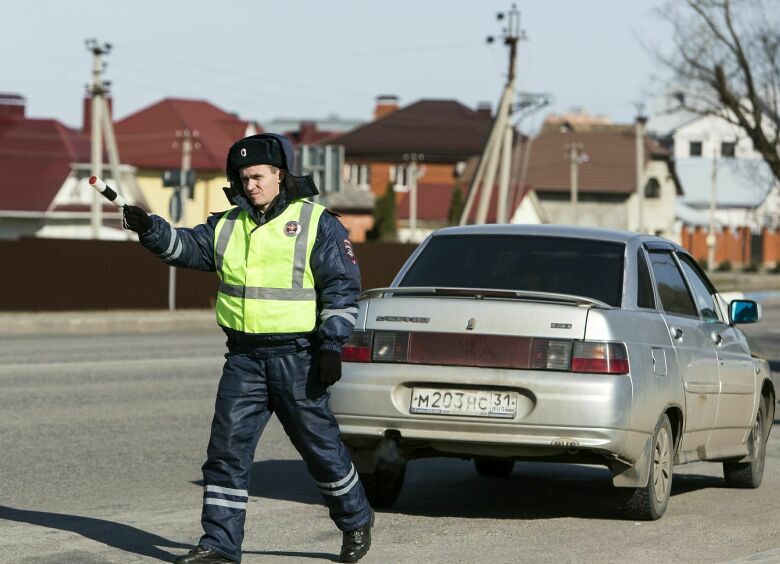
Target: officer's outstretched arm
point(182, 246)
point(337, 281)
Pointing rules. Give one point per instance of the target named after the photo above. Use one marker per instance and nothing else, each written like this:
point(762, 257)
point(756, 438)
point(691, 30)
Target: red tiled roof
point(35, 159)
point(442, 130)
point(146, 137)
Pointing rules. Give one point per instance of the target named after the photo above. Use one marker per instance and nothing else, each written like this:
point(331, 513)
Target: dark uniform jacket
point(336, 274)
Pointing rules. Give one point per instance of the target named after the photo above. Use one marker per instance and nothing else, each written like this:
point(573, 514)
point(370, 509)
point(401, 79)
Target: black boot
point(356, 543)
point(203, 555)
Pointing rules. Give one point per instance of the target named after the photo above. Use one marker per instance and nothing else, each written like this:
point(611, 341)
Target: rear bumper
point(557, 412)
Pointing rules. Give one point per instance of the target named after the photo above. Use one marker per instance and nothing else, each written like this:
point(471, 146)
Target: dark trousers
point(254, 384)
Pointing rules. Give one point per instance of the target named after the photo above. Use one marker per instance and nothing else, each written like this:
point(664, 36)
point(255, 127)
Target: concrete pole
point(111, 147)
point(96, 140)
point(413, 199)
point(640, 167)
point(711, 237)
point(492, 168)
point(503, 182)
point(494, 139)
point(574, 163)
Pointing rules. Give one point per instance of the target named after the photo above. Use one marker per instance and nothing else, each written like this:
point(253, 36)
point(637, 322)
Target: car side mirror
point(744, 311)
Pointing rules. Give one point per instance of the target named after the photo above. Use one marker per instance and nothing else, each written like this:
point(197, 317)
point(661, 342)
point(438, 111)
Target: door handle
point(717, 338)
point(677, 334)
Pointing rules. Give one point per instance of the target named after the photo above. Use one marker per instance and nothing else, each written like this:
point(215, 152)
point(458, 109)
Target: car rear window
point(564, 265)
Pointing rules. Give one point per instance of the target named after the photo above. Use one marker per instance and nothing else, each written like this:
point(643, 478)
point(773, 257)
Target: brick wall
point(733, 245)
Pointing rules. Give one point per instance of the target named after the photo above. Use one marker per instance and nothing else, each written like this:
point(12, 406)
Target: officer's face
point(261, 184)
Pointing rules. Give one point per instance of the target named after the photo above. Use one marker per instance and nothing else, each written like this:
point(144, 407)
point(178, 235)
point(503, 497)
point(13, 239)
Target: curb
point(96, 322)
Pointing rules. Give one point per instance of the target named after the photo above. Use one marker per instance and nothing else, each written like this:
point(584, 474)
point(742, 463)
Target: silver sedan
point(504, 343)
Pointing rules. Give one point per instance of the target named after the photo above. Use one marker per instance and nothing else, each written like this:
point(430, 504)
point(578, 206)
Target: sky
point(310, 59)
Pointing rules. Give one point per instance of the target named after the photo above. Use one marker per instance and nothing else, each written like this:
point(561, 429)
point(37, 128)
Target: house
point(151, 140)
point(746, 197)
point(606, 178)
point(440, 134)
point(44, 168)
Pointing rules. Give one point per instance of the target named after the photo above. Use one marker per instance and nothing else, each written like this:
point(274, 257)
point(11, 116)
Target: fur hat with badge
point(270, 149)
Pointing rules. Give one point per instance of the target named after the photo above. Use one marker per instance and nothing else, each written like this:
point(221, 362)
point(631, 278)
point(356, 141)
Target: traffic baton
point(107, 192)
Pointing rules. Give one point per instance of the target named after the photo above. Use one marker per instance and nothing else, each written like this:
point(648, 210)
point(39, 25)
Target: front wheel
point(649, 503)
point(749, 474)
point(383, 486)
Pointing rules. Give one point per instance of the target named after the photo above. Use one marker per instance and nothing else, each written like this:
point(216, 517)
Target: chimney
point(11, 106)
point(485, 109)
point(86, 127)
point(307, 132)
point(385, 104)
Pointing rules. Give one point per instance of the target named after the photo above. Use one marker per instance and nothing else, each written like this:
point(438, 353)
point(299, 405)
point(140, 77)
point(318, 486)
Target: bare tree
point(726, 63)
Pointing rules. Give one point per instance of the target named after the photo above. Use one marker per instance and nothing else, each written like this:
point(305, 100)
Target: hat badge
point(243, 152)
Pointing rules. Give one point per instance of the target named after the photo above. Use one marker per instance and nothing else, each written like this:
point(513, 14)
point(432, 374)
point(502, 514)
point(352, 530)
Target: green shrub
point(725, 266)
point(705, 266)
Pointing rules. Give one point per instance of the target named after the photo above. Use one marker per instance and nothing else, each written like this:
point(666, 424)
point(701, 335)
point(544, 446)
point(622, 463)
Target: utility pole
point(179, 198)
point(488, 162)
point(576, 156)
point(97, 90)
point(413, 173)
point(711, 237)
point(640, 168)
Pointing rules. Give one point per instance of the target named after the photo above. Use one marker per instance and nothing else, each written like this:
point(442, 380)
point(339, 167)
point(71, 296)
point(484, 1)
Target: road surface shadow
point(116, 535)
point(446, 487)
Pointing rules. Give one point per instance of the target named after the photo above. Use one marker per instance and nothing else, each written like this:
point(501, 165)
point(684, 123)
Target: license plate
point(470, 403)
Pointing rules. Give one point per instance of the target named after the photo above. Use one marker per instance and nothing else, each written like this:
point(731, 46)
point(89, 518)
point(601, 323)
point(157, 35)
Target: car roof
point(592, 233)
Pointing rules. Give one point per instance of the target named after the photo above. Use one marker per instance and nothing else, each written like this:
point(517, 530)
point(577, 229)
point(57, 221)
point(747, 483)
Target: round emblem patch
point(292, 228)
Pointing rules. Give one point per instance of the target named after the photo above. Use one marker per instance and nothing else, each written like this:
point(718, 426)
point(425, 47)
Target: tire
point(494, 467)
point(384, 485)
point(749, 474)
point(649, 502)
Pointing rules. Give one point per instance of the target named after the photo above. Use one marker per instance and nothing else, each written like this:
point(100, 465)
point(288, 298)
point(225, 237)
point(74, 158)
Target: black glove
point(136, 219)
point(329, 367)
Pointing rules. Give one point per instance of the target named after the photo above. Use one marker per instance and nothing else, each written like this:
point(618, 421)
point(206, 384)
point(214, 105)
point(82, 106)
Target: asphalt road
point(102, 438)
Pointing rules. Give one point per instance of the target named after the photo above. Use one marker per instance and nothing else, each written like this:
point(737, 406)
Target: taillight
point(358, 348)
point(391, 346)
point(599, 358)
point(548, 354)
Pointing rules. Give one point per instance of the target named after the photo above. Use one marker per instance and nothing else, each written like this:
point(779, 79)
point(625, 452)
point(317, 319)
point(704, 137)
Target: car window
point(672, 290)
point(564, 265)
point(702, 291)
point(644, 291)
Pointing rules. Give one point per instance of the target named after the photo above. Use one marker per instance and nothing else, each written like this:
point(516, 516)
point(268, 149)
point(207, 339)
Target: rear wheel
point(649, 503)
point(749, 474)
point(383, 486)
point(495, 467)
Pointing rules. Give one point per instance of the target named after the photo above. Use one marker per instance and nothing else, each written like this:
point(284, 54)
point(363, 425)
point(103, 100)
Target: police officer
point(287, 301)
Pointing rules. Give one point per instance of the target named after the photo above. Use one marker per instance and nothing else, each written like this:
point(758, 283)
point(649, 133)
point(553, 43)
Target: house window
point(357, 175)
point(727, 149)
point(399, 176)
point(653, 188)
point(695, 148)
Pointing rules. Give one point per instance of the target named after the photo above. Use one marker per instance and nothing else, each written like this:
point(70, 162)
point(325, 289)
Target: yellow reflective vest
point(266, 282)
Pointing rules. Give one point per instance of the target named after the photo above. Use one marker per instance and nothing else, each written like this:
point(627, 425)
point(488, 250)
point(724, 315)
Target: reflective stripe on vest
point(266, 283)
